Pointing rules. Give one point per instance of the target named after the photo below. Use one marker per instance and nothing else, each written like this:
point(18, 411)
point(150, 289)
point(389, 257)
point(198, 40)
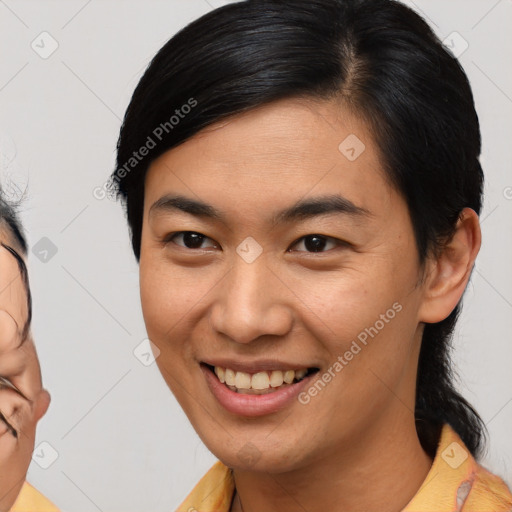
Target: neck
point(381, 470)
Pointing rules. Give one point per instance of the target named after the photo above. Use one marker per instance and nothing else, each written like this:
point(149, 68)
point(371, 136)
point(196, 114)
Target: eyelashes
point(199, 237)
point(323, 240)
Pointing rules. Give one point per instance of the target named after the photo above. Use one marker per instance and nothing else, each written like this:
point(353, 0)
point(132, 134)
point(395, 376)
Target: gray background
point(121, 441)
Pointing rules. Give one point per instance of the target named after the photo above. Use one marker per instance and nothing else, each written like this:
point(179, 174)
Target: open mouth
point(259, 383)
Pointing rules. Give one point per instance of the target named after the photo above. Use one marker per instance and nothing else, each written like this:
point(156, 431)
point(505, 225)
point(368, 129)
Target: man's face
point(264, 294)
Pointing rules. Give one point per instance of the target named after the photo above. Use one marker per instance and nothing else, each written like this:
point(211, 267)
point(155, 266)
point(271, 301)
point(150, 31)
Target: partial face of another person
point(336, 290)
point(13, 294)
point(23, 401)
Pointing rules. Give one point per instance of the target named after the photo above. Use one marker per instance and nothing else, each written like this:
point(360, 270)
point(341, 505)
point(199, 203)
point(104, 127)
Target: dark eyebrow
point(331, 204)
point(303, 209)
point(170, 203)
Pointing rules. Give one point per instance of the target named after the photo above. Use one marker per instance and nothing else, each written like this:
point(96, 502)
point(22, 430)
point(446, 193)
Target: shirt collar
point(445, 489)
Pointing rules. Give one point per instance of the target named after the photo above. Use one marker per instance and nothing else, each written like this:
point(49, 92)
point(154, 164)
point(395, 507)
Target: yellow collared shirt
point(31, 500)
point(455, 483)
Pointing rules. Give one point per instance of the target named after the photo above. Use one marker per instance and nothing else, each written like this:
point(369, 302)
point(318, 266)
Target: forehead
point(273, 155)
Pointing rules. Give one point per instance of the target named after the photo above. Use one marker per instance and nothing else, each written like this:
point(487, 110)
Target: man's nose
point(252, 302)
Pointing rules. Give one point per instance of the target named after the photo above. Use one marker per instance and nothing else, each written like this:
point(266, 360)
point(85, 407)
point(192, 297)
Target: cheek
point(170, 298)
point(166, 303)
point(366, 317)
point(342, 305)
point(160, 298)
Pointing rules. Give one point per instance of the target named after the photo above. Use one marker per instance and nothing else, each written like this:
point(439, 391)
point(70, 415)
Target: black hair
point(16, 243)
point(386, 64)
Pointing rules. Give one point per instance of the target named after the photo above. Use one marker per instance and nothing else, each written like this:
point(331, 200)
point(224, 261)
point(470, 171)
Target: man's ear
point(448, 274)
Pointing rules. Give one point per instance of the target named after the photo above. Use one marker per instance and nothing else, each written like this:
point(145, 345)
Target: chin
point(262, 456)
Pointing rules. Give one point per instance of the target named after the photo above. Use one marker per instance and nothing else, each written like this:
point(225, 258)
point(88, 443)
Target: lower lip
point(253, 405)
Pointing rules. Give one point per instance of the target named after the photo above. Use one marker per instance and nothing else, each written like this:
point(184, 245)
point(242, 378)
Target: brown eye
point(191, 239)
point(317, 243)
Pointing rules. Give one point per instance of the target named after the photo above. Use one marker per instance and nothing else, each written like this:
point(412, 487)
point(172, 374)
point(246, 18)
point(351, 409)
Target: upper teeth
point(260, 380)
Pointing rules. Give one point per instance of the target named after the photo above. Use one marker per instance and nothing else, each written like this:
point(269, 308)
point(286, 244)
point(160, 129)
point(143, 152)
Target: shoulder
point(488, 492)
point(31, 500)
point(457, 482)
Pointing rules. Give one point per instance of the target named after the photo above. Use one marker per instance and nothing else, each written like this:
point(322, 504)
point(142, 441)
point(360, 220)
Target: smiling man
point(305, 235)
point(328, 269)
